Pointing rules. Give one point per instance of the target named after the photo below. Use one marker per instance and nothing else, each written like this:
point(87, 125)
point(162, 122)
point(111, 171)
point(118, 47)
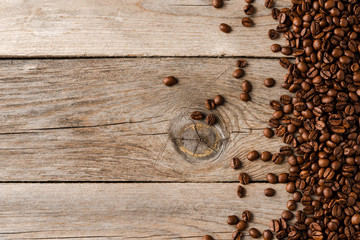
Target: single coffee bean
point(210, 104)
point(244, 178)
point(267, 235)
point(269, 82)
point(241, 63)
point(265, 156)
point(208, 237)
point(225, 28)
point(237, 235)
point(287, 215)
point(211, 119)
point(245, 97)
point(253, 155)
point(219, 100)
point(286, 50)
point(283, 178)
point(277, 158)
point(169, 81)
point(242, 225)
point(235, 163)
point(291, 205)
point(290, 187)
point(196, 115)
point(238, 73)
point(269, 3)
point(269, 192)
point(284, 62)
point(275, 48)
point(355, 219)
point(217, 3)
point(249, 9)
point(240, 191)
point(271, 178)
point(273, 34)
point(246, 216)
point(246, 86)
point(232, 220)
point(275, 13)
point(247, 22)
point(254, 233)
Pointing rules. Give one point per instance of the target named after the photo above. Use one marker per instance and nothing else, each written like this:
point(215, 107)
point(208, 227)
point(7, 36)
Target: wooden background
point(89, 135)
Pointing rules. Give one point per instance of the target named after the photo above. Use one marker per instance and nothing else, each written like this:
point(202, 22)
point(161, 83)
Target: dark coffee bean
point(269, 3)
point(271, 178)
point(249, 9)
point(210, 104)
point(246, 216)
point(240, 191)
point(242, 225)
point(291, 205)
point(247, 22)
point(269, 82)
point(225, 28)
point(235, 163)
point(237, 235)
point(245, 97)
point(238, 73)
point(269, 192)
point(286, 50)
point(275, 226)
point(244, 178)
point(211, 119)
point(284, 62)
point(241, 63)
point(232, 220)
point(283, 178)
point(219, 100)
point(273, 34)
point(208, 237)
point(266, 156)
point(267, 235)
point(196, 115)
point(275, 13)
point(268, 132)
point(254, 233)
point(287, 215)
point(275, 48)
point(217, 3)
point(290, 187)
point(277, 158)
point(246, 86)
point(253, 155)
point(169, 81)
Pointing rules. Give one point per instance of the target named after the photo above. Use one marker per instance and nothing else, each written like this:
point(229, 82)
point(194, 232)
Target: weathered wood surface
point(153, 211)
point(114, 120)
point(131, 28)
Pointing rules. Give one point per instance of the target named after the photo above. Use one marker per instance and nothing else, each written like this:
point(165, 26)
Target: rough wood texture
point(132, 211)
point(113, 119)
point(131, 28)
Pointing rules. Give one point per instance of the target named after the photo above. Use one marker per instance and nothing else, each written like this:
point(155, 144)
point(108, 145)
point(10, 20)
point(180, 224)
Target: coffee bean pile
point(210, 104)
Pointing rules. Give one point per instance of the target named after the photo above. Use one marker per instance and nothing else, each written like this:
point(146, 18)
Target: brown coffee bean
point(283, 178)
point(284, 62)
point(238, 73)
point(208, 237)
point(237, 235)
point(286, 50)
point(219, 100)
point(275, 48)
point(267, 235)
point(169, 81)
point(242, 225)
point(271, 178)
point(211, 119)
point(246, 216)
point(241, 63)
point(210, 104)
point(269, 3)
point(275, 13)
point(232, 220)
point(265, 156)
point(287, 215)
point(240, 191)
point(246, 86)
point(235, 163)
point(245, 97)
point(269, 192)
point(225, 28)
point(217, 3)
point(244, 178)
point(254, 233)
point(196, 115)
point(249, 9)
point(268, 132)
point(290, 187)
point(247, 22)
point(269, 82)
point(277, 158)
point(253, 155)
point(291, 205)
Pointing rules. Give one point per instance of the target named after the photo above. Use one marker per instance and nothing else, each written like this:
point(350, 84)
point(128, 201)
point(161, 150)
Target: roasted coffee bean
point(284, 62)
point(249, 9)
point(196, 115)
point(232, 220)
point(269, 82)
point(277, 158)
point(244, 178)
point(269, 192)
point(242, 225)
point(245, 97)
point(240, 191)
point(211, 119)
point(269, 3)
point(276, 48)
point(247, 22)
point(235, 163)
point(291, 205)
point(241, 63)
point(275, 13)
point(268, 132)
point(246, 86)
point(237, 235)
point(217, 3)
point(246, 216)
point(169, 81)
point(208, 237)
point(271, 178)
point(225, 28)
point(219, 100)
point(253, 155)
point(287, 215)
point(273, 34)
point(267, 235)
point(283, 178)
point(210, 104)
point(275, 226)
point(266, 156)
point(238, 73)
point(254, 233)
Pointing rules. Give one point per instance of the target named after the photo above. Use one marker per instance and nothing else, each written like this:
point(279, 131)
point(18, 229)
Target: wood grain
point(54, 28)
point(113, 119)
point(132, 211)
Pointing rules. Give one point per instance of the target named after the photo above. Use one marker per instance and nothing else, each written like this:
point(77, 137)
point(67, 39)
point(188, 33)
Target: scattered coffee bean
point(232, 220)
point(246, 86)
point(211, 119)
point(269, 192)
point(269, 82)
point(271, 178)
point(210, 104)
point(169, 81)
point(267, 235)
point(265, 156)
point(254, 233)
point(275, 13)
point(219, 100)
point(246, 216)
point(237, 235)
point(275, 48)
point(241, 63)
point(253, 155)
point(287, 215)
point(208, 237)
point(196, 115)
point(249, 9)
point(247, 22)
point(244, 178)
point(273, 34)
point(245, 97)
point(291, 205)
point(235, 163)
point(238, 73)
point(283, 178)
point(217, 3)
point(240, 191)
point(242, 225)
point(269, 3)
point(225, 28)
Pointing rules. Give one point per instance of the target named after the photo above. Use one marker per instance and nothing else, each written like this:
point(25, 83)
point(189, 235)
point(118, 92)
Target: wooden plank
point(113, 120)
point(132, 211)
point(131, 28)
